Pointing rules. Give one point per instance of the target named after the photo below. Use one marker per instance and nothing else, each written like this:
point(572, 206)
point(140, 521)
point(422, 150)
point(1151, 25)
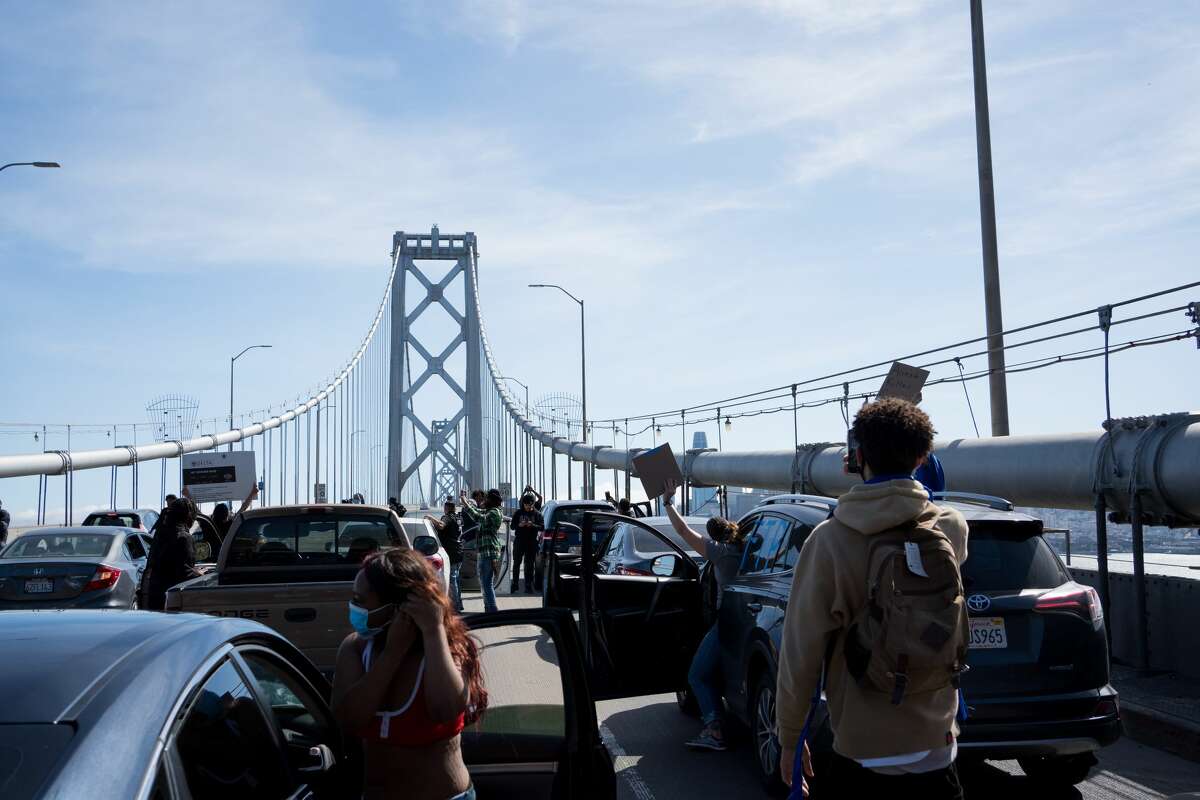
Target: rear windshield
point(27, 753)
point(35, 545)
point(309, 539)
point(1010, 561)
point(113, 520)
point(646, 542)
point(574, 516)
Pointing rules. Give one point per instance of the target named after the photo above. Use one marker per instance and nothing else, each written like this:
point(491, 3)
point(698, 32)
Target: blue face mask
point(358, 621)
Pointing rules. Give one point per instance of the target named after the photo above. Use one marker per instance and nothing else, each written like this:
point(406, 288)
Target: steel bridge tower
point(444, 481)
point(460, 251)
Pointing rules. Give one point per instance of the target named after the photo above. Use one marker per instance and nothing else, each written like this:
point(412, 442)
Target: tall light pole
point(997, 380)
point(351, 460)
point(232, 361)
point(514, 380)
point(582, 357)
point(43, 164)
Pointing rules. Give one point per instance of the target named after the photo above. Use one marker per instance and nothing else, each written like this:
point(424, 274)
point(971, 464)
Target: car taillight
point(624, 570)
point(561, 536)
point(1106, 707)
point(105, 578)
point(1082, 601)
point(436, 562)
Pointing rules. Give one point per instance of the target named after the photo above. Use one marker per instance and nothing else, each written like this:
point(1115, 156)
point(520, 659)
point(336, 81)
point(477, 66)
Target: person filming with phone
point(408, 680)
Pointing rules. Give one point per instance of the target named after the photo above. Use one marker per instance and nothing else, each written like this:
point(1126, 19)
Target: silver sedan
point(81, 567)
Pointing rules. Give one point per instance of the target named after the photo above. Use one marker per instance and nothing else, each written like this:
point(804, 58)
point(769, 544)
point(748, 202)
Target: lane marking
point(629, 771)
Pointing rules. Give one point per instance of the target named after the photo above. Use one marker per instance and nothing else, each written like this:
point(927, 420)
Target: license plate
point(988, 633)
point(39, 586)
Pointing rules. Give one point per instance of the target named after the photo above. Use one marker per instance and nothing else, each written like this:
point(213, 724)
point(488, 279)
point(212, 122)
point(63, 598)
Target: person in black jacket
point(172, 553)
point(5, 521)
point(450, 535)
point(526, 525)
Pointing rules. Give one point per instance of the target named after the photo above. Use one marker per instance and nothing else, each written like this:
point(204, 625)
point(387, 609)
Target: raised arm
point(695, 540)
point(249, 501)
point(444, 686)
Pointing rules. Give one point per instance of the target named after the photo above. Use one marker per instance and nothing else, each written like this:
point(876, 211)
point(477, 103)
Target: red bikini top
point(410, 725)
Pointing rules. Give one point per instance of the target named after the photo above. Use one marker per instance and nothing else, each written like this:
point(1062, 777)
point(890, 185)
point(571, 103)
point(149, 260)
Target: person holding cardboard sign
point(723, 549)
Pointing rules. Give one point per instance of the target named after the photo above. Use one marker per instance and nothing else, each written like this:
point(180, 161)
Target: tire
point(1058, 770)
point(763, 738)
point(687, 703)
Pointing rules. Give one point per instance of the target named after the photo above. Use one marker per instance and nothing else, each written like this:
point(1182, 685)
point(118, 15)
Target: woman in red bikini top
point(408, 680)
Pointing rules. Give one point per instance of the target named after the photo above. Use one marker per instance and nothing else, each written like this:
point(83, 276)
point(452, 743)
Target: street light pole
point(997, 380)
point(514, 380)
point(232, 361)
point(351, 459)
point(582, 362)
point(43, 164)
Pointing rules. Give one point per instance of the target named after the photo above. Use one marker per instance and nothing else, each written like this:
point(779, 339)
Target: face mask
point(359, 621)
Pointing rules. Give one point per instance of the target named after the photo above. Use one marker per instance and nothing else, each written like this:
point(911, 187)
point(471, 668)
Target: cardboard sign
point(216, 477)
point(904, 381)
point(655, 467)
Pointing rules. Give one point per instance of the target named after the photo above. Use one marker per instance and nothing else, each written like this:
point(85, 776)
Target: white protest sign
point(217, 477)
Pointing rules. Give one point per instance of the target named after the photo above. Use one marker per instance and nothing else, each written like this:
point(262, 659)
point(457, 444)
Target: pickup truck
point(292, 569)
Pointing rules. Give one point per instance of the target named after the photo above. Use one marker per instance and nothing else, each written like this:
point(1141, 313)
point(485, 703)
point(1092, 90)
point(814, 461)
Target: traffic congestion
point(324, 651)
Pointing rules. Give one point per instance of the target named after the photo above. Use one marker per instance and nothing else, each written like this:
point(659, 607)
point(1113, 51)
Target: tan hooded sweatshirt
point(829, 587)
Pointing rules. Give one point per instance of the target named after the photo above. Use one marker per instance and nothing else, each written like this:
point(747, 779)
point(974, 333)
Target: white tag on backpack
point(912, 554)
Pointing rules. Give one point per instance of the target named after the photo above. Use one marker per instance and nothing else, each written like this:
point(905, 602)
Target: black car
point(1038, 688)
point(143, 705)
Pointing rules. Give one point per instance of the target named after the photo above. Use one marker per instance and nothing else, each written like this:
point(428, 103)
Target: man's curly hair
point(895, 435)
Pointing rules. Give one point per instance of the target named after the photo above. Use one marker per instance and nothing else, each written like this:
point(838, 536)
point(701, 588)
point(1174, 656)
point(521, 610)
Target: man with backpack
point(877, 618)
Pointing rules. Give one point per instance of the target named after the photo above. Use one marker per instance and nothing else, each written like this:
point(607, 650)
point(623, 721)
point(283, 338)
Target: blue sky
point(747, 193)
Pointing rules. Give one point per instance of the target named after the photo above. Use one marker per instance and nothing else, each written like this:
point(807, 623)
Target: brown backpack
point(911, 637)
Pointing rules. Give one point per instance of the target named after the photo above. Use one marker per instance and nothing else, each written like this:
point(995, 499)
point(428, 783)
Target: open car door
point(538, 737)
point(639, 632)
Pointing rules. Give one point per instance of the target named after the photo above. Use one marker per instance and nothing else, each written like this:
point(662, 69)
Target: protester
point(408, 680)
point(894, 724)
point(723, 549)
point(5, 521)
point(537, 497)
point(172, 556)
point(397, 506)
point(526, 525)
point(931, 475)
point(222, 519)
point(489, 519)
point(470, 527)
point(450, 535)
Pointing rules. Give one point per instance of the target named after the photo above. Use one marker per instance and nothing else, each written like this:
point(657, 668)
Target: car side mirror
point(426, 545)
point(664, 565)
point(321, 759)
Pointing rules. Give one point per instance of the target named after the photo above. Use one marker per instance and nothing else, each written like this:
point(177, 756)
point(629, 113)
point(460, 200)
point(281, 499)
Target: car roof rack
point(829, 503)
point(991, 501)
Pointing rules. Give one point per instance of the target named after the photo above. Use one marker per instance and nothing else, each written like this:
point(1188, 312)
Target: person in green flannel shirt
point(488, 543)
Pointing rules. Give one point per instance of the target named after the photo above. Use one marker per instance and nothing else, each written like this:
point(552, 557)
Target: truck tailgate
point(312, 616)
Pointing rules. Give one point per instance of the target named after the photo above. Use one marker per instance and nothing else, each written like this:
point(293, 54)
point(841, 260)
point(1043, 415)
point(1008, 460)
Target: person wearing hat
point(490, 520)
point(172, 556)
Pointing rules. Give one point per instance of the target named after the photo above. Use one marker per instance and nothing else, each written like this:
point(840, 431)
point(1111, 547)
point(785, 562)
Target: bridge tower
point(444, 481)
point(416, 253)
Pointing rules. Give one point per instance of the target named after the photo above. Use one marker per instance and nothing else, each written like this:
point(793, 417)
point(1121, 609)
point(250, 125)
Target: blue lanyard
point(797, 792)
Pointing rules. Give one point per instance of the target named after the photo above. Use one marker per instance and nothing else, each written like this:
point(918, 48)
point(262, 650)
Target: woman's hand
point(425, 614)
point(400, 635)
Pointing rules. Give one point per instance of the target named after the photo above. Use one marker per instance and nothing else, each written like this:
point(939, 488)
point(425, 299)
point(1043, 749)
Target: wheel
point(1059, 770)
point(687, 702)
point(766, 742)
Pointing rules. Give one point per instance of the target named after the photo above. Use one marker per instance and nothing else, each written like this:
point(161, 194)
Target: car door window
point(134, 549)
point(787, 558)
point(615, 543)
point(302, 718)
point(764, 544)
point(225, 743)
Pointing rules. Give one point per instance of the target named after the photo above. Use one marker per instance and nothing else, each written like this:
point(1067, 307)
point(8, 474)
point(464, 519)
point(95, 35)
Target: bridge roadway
point(646, 735)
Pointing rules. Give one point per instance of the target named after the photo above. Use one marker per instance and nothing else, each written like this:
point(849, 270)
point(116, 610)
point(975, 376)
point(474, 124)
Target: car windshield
point(999, 561)
point(27, 754)
point(41, 545)
point(112, 519)
point(646, 542)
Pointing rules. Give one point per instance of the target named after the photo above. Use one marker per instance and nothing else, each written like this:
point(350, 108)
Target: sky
point(746, 193)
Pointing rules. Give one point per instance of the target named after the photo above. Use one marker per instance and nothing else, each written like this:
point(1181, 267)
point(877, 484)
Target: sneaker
point(708, 739)
point(512, 589)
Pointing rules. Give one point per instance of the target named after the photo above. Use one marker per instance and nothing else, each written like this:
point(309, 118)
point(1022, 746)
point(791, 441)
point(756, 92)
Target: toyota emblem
point(979, 602)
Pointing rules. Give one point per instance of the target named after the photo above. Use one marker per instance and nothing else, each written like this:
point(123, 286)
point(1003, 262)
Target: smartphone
point(852, 465)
